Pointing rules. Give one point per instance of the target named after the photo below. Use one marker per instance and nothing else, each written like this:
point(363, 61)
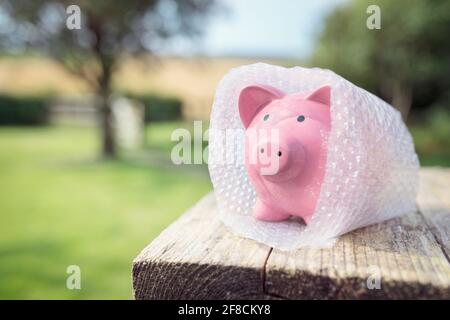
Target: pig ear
point(321, 95)
point(253, 98)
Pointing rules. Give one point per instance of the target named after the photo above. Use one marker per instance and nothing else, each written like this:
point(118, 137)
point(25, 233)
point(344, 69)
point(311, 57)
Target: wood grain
point(198, 258)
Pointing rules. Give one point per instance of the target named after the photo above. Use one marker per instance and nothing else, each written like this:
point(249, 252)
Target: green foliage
point(159, 108)
point(23, 110)
point(408, 58)
point(431, 133)
point(61, 207)
point(406, 63)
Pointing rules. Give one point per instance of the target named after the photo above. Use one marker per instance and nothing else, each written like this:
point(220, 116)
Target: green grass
point(432, 149)
point(431, 134)
point(157, 134)
point(59, 206)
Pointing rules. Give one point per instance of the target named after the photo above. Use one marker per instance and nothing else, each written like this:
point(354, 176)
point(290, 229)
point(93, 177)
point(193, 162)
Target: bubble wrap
point(371, 172)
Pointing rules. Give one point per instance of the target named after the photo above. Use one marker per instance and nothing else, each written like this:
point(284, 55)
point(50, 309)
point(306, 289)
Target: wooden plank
point(197, 258)
point(434, 204)
point(403, 251)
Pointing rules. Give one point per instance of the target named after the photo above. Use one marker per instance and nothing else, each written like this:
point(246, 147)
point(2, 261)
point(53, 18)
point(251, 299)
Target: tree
point(109, 31)
point(406, 62)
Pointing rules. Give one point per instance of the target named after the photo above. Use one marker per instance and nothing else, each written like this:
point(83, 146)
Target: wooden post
point(404, 258)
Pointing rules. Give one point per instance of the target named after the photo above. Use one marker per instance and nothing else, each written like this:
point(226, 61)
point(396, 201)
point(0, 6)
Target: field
point(59, 206)
point(192, 80)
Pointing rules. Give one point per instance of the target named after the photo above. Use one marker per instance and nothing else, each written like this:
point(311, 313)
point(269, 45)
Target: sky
point(261, 28)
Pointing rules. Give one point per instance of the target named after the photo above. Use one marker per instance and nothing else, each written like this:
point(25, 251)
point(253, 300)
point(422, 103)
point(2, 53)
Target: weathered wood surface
point(198, 258)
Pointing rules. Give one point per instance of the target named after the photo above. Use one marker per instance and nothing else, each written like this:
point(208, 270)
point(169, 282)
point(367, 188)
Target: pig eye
point(301, 118)
point(266, 117)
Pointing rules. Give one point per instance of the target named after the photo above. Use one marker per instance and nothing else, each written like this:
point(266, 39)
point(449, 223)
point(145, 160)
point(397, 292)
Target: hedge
point(23, 110)
point(159, 108)
point(34, 110)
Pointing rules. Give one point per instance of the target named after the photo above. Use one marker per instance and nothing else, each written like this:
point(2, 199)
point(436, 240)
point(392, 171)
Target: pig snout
point(279, 161)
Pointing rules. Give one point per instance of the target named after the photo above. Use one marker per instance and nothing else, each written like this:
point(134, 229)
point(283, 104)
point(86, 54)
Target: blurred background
point(90, 95)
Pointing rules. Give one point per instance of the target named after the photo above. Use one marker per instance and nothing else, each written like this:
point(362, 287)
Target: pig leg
point(263, 212)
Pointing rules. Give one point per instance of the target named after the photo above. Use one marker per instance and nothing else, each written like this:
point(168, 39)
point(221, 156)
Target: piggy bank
point(315, 148)
point(285, 149)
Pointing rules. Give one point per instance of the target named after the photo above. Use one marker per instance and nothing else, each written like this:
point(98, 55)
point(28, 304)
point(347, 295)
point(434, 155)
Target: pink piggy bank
point(285, 149)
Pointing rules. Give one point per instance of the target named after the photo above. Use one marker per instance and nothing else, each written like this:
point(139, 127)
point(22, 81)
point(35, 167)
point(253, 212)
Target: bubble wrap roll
point(371, 171)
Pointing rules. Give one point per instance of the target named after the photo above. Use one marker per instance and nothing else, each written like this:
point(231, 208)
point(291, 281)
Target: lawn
point(60, 206)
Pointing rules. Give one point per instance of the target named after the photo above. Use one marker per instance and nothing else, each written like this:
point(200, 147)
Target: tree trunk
point(106, 114)
point(106, 61)
point(107, 127)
